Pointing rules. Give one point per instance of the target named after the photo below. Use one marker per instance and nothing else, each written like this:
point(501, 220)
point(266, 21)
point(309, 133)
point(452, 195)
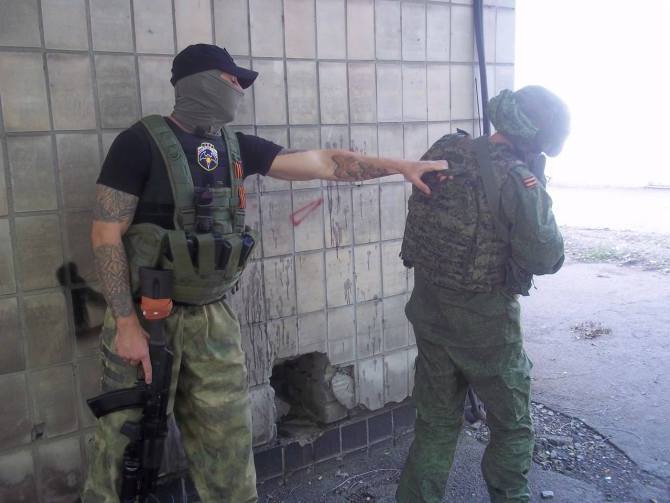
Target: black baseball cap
point(202, 57)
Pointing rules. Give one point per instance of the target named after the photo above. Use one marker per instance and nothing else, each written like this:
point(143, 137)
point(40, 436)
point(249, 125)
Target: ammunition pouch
point(205, 266)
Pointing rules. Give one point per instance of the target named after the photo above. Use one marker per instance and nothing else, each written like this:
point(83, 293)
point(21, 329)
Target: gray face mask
point(204, 102)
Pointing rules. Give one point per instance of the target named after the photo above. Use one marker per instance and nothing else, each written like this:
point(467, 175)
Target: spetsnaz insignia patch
point(208, 157)
point(529, 182)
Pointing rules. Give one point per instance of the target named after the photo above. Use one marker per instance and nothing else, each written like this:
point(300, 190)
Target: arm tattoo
point(112, 266)
point(352, 168)
point(113, 205)
point(111, 263)
point(287, 151)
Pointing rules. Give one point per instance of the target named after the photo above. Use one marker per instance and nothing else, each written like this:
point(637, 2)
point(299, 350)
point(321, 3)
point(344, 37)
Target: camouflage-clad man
point(170, 195)
point(469, 269)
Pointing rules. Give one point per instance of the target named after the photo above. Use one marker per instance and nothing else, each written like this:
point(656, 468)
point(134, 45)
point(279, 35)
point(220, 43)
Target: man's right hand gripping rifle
point(143, 454)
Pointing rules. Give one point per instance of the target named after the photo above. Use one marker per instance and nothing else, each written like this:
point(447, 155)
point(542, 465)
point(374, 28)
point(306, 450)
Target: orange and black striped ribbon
point(238, 169)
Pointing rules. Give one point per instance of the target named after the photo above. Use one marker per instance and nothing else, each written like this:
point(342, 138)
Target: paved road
point(617, 383)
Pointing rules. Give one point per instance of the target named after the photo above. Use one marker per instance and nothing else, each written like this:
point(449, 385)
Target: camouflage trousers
point(208, 397)
point(473, 341)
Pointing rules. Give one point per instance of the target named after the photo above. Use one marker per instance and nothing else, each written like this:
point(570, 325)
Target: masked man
point(171, 195)
point(474, 245)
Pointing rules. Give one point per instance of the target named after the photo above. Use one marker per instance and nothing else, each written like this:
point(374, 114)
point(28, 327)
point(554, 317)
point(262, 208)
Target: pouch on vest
point(210, 245)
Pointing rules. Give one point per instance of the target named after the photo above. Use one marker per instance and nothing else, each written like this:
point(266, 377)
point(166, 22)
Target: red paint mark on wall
point(301, 214)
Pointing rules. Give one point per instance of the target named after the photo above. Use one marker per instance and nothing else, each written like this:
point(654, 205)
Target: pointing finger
point(146, 366)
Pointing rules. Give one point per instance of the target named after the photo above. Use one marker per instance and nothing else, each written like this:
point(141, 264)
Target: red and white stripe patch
point(529, 182)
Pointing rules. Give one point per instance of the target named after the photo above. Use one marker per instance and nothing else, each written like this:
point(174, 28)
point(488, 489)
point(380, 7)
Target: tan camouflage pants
point(209, 399)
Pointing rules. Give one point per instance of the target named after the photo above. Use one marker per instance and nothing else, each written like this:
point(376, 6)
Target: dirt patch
point(647, 251)
point(567, 445)
point(590, 330)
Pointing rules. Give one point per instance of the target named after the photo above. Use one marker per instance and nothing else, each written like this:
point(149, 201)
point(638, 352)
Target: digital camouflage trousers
point(208, 397)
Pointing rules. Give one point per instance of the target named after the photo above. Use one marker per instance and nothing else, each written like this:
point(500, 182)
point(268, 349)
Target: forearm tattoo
point(112, 266)
point(111, 263)
point(113, 205)
point(352, 168)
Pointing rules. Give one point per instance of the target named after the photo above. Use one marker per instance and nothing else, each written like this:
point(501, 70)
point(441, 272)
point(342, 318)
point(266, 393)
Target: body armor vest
point(209, 246)
point(451, 234)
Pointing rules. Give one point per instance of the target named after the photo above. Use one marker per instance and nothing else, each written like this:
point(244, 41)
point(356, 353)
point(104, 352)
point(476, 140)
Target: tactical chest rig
point(451, 234)
point(210, 245)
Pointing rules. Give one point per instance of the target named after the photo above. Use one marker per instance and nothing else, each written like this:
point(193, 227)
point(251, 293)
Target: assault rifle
point(144, 453)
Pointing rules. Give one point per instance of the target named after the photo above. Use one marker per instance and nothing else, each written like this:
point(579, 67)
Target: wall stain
point(347, 291)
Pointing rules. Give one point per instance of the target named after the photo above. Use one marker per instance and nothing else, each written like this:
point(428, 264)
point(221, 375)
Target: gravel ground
point(568, 446)
point(565, 447)
point(372, 476)
point(647, 251)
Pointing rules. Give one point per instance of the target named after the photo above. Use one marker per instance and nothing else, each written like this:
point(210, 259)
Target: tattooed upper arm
point(113, 205)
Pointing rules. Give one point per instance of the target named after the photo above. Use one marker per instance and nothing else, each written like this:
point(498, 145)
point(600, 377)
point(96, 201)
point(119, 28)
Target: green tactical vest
point(196, 258)
point(451, 235)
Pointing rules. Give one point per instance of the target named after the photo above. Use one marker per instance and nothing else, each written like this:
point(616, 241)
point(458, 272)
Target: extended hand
point(131, 344)
point(417, 169)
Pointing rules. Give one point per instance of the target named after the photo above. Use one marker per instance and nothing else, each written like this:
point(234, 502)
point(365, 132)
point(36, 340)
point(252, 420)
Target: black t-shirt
point(127, 166)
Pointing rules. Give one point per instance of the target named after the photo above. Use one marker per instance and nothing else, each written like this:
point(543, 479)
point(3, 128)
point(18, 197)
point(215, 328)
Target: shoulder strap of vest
point(177, 168)
point(238, 199)
point(491, 185)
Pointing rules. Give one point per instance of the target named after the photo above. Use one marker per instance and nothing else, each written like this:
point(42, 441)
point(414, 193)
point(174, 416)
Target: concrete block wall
point(383, 77)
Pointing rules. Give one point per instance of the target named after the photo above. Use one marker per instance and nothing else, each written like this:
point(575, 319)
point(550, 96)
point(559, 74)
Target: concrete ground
point(373, 477)
point(617, 383)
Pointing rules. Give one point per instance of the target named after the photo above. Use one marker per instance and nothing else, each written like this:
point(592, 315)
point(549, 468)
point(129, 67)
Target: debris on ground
point(569, 446)
point(590, 330)
point(360, 488)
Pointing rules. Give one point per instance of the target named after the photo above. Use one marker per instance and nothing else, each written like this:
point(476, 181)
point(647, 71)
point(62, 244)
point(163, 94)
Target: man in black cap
point(171, 195)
